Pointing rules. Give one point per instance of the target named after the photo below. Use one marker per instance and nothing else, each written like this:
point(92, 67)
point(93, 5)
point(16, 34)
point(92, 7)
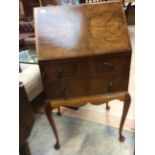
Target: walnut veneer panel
point(85, 76)
point(86, 67)
point(85, 86)
point(80, 30)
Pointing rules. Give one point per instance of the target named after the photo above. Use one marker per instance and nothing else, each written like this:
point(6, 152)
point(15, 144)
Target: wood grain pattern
point(81, 101)
point(81, 30)
point(86, 67)
point(129, 1)
point(85, 76)
point(86, 86)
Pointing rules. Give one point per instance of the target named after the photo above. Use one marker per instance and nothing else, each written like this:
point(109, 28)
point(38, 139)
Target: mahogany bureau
point(84, 54)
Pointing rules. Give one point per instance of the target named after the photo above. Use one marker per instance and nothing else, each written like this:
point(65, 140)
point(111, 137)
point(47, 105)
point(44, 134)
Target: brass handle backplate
point(43, 74)
point(109, 65)
point(59, 72)
point(62, 92)
point(110, 87)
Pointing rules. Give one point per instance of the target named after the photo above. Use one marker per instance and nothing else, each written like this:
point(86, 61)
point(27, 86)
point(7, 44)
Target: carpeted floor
point(78, 137)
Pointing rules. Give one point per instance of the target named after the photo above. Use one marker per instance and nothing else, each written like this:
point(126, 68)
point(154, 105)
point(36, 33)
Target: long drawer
point(86, 67)
point(84, 86)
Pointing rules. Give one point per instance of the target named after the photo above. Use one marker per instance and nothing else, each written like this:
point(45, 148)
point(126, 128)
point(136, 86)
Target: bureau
point(84, 55)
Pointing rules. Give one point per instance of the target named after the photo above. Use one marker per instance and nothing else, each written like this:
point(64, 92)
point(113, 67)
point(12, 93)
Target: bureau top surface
point(80, 30)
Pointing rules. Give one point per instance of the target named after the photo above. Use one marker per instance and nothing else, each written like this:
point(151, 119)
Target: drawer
point(65, 70)
point(65, 88)
point(112, 65)
point(107, 84)
point(87, 67)
point(84, 86)
point(58, 70)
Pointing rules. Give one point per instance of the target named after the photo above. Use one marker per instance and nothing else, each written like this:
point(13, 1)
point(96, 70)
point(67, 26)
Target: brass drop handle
point(43, 74)
point(109, 65)
point(59, 72)
point(62, 92)
point(110, 87)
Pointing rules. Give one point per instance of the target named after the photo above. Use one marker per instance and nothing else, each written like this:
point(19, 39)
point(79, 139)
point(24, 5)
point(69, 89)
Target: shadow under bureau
point(84, 55)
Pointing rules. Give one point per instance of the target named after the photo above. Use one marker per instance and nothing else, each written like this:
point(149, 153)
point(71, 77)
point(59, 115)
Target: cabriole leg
point(59, 112)
point(48, 109)
point(107, 106)
point(126, 106)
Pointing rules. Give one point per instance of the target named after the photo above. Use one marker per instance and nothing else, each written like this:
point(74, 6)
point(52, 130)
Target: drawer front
point(84, 86)
point(114, 65)
point(58, 70)
point(66, 70)
point(65, 88)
